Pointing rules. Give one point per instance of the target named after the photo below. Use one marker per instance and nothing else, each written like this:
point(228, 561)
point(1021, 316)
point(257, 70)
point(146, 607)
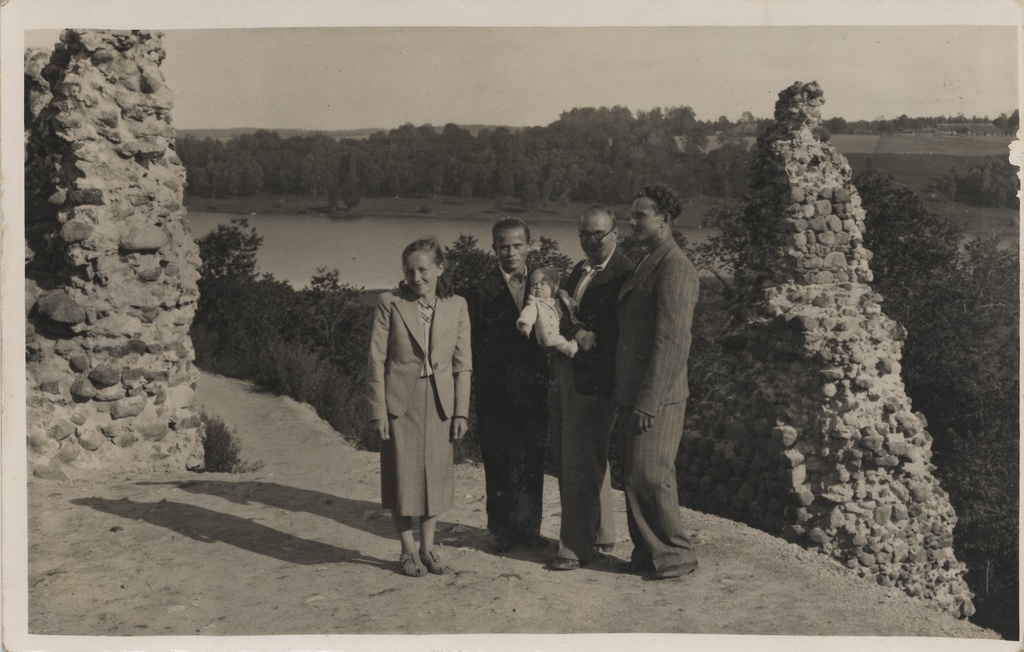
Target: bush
point(969, 389)
point(992, 183)
point(221, 451)
point(310, 345)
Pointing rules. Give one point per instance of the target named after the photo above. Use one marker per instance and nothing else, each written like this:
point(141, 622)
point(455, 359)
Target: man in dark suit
point(510, 379)
point(655, 311)
point(586, 387)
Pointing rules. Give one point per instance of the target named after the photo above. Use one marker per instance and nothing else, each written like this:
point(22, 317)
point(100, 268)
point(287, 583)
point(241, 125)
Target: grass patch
point(980, 146)
point(921, 172)
point(221, 450)
point(855, 143)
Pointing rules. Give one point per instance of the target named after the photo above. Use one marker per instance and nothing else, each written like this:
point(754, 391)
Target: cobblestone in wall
point(807, 430)
point(111, 267)
point(37, 89)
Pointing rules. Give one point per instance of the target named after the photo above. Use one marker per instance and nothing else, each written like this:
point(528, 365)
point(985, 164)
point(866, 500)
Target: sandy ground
point(302, 547)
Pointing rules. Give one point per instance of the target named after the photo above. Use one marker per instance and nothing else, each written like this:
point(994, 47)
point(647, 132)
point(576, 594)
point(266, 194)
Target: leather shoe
point(532, 540)
point(636, 567)
point(674, 572)
point(604, 547)
point(564, 564)
point(500, 542)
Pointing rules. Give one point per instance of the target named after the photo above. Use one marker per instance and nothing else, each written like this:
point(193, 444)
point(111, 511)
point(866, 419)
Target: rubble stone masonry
point(111, 267)
point(807, 430)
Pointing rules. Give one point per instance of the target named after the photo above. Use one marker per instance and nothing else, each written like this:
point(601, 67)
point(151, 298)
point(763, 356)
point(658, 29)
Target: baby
point(544, 310)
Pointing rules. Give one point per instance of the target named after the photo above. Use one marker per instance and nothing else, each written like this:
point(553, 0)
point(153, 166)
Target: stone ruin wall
point(111, 266)
point(807, 431)
point(37, 89)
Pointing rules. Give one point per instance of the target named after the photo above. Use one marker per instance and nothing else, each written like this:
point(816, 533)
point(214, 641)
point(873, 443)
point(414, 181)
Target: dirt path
point(302, 547)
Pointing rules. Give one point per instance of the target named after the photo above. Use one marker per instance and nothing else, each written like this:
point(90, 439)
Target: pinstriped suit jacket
point(397, 351)
point(655, 312)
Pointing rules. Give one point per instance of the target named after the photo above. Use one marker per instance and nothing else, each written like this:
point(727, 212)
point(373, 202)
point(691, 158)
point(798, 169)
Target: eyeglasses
point(597, 236)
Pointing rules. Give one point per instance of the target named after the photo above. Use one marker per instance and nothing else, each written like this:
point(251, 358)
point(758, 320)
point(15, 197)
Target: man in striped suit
point(655, 312)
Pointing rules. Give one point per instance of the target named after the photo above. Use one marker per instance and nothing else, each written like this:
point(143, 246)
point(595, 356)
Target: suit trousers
point(582, 427)
point(652, 500)
point(512, 433)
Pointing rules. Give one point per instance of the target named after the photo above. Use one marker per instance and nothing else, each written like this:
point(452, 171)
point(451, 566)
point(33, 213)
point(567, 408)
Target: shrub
point(467, 262)
point(309, 345)
point(221, 451)
point(722, 253)
point(991, 183)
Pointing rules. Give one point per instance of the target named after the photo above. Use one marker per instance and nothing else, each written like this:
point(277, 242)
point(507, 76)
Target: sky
point(382, 77)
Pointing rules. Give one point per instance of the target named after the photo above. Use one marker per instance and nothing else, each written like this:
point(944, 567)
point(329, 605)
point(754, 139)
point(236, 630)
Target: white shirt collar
point(429, 305)
point(526, 274)
point(601, 265)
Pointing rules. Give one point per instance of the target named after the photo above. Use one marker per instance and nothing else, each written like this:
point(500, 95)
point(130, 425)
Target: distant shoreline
point(439, 207)
point(532, 216)
point(975, 220)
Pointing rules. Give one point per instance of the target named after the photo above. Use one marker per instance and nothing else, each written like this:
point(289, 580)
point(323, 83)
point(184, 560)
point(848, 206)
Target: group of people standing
point(628, 339)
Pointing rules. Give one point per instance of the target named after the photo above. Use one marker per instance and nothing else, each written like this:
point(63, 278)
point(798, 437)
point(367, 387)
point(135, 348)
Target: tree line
point(1007, 124)
point(588, 154)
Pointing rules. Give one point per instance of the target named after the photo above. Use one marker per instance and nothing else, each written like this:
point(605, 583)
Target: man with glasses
point(584, 412)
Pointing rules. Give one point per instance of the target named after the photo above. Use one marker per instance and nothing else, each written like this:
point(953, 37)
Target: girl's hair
point(429, 246)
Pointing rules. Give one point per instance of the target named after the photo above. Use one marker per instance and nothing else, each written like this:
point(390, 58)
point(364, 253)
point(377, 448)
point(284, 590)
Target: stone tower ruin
point(807, 431)
point(111, 267)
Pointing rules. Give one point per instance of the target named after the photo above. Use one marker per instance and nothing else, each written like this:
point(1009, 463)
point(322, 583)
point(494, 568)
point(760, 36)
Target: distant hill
point(338, 134)
point(228, 134)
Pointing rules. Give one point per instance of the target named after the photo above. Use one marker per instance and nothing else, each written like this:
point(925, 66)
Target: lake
point(367, 251)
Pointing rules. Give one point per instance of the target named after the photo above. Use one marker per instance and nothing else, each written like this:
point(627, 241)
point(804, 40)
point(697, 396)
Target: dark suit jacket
point(594, 370)
point(505, 363)
point(655, 314)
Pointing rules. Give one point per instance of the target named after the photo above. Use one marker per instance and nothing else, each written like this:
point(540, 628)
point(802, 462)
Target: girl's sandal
point(433, 564)
point(410, 564)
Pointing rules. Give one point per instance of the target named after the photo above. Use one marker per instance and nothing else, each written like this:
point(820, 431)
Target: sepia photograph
point(435, 326)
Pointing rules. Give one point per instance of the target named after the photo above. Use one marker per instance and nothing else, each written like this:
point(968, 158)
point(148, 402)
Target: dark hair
point(510, 224)
point(430, 246)
point(664, 199)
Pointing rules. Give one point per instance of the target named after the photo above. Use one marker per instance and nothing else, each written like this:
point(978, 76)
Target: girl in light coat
point(419, 382)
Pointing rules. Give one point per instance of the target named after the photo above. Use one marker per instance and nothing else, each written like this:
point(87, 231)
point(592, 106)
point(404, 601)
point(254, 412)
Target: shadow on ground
point(210, 526)
point(359, 514)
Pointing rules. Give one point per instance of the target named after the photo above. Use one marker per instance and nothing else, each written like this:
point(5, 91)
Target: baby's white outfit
point(546, 314)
